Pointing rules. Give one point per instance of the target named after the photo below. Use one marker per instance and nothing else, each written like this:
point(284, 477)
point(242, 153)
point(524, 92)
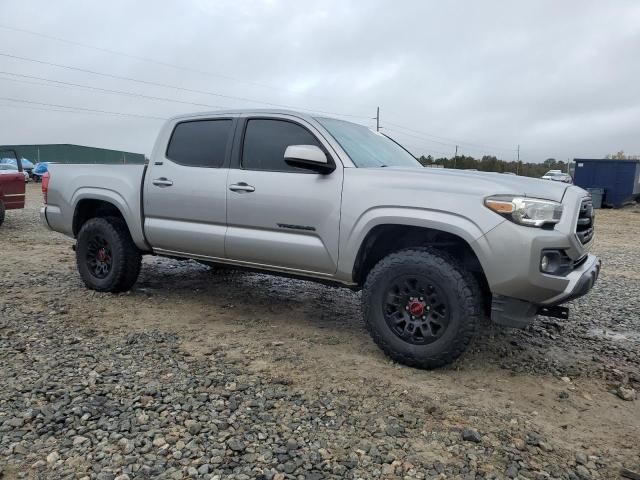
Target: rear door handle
point(241, 187)
point(162, 182)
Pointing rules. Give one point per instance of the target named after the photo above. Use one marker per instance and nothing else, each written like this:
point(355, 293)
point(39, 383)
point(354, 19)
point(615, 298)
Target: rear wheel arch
point(88, 208)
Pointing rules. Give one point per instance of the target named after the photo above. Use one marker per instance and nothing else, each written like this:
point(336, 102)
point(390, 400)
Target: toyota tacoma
point(433, 250)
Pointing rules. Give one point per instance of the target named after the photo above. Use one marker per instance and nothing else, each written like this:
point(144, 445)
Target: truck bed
point(120, 185)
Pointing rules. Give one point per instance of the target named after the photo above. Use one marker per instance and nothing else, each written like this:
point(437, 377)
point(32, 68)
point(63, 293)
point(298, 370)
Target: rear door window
point(200, 143)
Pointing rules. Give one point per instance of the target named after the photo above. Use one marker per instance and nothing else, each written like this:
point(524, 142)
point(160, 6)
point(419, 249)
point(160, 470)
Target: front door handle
point(162, 182)
point(241, 187)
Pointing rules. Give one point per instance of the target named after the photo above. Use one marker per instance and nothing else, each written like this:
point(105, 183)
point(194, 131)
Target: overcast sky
point(560, 78)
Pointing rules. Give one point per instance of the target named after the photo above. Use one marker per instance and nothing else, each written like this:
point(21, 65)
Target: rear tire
point(2, 211)
point(107, 258)
point(421, 307)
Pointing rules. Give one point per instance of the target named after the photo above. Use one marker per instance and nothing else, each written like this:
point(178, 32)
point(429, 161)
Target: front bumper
point(513, 312)
point(581, 280)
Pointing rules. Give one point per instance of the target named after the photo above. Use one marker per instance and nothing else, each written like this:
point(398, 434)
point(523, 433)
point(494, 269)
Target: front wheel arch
point(386, 239)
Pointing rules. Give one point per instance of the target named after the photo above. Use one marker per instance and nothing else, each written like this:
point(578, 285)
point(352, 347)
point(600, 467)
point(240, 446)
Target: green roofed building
point(68, 153)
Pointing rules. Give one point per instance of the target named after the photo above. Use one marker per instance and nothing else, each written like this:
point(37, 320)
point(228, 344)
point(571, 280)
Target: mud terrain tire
point(437, 289)
point(107, 258)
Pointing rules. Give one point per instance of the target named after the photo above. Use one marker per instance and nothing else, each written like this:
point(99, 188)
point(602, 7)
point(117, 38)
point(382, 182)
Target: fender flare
point(117, 200)
point(460, 226)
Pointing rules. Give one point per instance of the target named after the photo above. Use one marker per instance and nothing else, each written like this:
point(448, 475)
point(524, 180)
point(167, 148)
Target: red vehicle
point(12, 189)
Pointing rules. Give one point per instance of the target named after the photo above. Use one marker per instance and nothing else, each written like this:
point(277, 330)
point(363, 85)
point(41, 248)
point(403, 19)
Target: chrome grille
point(584, 226)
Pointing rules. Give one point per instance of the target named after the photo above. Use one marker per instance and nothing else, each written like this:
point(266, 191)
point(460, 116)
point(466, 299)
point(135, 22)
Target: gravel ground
point(198, 374)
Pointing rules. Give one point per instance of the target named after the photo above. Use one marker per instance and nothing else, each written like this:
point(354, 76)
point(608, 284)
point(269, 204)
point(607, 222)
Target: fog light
point(544, 263)
point(554, 262)
point(550, 262)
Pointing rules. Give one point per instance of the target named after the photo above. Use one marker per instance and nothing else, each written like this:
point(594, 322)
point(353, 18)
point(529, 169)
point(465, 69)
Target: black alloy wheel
point(99, 257)
point(416, 310)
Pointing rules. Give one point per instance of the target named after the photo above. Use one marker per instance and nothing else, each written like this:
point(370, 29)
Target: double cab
point(433, 250)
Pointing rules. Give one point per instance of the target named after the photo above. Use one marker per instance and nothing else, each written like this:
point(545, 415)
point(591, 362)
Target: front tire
point(421, 307)
point(107, 258)
point(2, 212)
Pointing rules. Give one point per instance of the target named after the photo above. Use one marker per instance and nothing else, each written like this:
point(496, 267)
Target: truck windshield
point(367, 148)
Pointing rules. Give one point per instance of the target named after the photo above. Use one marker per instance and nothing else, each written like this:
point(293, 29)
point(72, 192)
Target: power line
point(104, 90)
point(455, 146)
point(175, 87)
point(377, 119)
point(29, 107)
point(180, 68)
point(428, 148)
point(452, 141)
point(455, 142)
point(204, 92)
point(419, 137)
point(183, 68)
point(82, 109)
point(422, 150)
point(27, 82)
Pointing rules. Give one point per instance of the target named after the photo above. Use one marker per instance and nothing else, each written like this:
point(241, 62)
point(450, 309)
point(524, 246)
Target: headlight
point(532, 212)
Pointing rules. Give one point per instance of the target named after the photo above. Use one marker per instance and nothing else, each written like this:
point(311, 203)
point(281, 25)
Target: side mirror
point(308, 157)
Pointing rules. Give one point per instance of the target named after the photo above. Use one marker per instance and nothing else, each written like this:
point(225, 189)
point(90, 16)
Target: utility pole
point(518, 153)
point(455, 158)
point(518, 162)
point(378, 119)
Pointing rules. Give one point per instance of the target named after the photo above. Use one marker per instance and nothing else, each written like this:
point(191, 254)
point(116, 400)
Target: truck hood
point(481, 183)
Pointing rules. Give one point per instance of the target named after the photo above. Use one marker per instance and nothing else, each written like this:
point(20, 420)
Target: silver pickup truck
point(433, 250)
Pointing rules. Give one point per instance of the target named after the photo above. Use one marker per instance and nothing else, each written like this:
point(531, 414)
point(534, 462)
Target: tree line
point(489, 163)
point(622, 156)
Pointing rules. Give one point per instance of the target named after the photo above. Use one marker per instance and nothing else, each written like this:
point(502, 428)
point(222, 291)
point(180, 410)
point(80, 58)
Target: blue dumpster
point(596, 196)
point(620, 179)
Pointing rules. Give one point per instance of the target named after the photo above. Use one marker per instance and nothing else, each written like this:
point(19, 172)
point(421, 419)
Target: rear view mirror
point(308, 157)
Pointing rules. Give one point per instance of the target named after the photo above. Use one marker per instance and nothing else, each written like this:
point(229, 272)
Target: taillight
point(45, 186)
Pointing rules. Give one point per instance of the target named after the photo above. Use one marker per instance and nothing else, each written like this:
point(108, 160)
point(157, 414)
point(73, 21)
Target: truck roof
point(266, 111)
